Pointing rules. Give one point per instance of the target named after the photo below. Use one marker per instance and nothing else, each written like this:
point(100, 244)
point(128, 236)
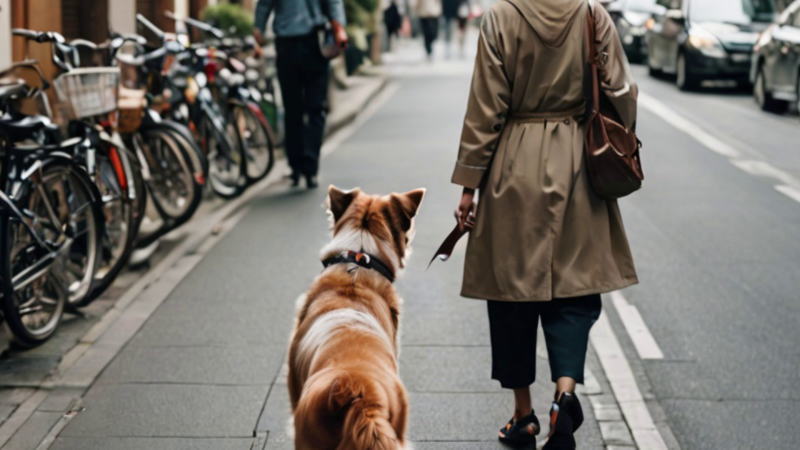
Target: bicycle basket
point(131, 109)
point(88, 91)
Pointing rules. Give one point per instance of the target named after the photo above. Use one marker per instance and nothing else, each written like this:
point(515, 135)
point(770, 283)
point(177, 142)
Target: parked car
point(632, 18)
point(706, 39)
point(775, 71)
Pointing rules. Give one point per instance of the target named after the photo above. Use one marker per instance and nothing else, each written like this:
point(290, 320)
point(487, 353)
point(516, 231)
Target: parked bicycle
point(51, 219)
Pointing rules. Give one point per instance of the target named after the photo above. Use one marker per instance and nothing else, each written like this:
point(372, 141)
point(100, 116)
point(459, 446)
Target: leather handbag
point(612, 151)
point(327, 43)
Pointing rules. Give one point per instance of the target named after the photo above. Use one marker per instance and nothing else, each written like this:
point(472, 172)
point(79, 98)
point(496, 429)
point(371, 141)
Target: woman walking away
point(543, 245)
point(429, 12)
point(303, 74)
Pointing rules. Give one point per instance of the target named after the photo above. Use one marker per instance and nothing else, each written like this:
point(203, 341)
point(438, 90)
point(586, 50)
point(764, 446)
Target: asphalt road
point(718, 255)
point(716, 249)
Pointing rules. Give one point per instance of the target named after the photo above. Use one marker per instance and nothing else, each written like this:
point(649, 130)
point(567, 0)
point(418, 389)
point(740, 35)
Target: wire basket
point(88, 91)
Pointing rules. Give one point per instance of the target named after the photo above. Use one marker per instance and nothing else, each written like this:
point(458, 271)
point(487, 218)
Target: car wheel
point(763, 96)
point(685, 79)
point(652, 71)
point(797, 95)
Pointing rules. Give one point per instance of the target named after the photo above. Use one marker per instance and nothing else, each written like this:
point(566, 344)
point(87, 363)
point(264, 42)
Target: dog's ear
point(407, 205)
point(339, 201)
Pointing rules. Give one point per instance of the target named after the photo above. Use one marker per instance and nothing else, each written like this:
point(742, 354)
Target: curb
point(80, 366)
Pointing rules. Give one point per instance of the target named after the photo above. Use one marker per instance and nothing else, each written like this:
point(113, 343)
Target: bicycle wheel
point(61, 208)
point(256, 139)
point(169, 172)
point(227, 171)
point(113, 178)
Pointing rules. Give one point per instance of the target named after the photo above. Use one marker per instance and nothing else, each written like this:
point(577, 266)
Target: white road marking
point(678, 121)
point(789, 191)
point(623, 383)
point(764, 169)
point(640, 334)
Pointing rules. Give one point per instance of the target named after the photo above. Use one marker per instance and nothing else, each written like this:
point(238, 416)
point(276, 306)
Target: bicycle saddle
point(20, 129)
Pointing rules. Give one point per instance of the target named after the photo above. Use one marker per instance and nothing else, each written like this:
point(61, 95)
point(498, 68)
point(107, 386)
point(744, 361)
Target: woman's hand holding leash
point(465, 221)
point(465, 213)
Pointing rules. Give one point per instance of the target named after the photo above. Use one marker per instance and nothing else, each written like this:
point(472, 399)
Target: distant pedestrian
point(392, 20)
point(455, 12)
point(303, 74)
point(543, 245)
point(429, 13)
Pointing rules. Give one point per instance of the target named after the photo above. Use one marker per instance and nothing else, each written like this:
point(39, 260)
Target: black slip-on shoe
point(520, 432)
point(566, 416)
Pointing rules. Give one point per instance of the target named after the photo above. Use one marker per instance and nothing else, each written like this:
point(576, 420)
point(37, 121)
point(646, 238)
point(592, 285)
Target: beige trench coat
point(540, 232)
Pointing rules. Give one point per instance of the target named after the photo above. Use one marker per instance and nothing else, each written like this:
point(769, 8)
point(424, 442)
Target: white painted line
point(789, 191)
point(623, 383)
point(765, 169)
point(643, 340)
point(678, 121)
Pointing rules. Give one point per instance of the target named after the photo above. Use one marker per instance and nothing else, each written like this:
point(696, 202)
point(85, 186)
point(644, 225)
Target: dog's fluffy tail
point(357, 401)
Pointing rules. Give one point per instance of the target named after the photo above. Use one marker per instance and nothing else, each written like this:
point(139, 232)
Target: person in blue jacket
point(303, 74)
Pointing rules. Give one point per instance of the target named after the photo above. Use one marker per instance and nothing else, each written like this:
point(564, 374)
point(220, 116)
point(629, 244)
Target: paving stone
point(616, 433)
point(61, 400)
point(607, 413)
point(5, 411)
point(459, 445)
point(33, 431)
point(168, 410)
point(241, 365)
point(15, 396)
point(137, 443)
point(25, 371)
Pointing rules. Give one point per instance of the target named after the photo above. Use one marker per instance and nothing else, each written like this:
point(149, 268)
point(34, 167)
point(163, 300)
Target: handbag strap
point(593, 97)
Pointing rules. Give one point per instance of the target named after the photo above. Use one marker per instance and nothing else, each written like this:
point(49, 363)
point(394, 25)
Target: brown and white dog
point(343, 371)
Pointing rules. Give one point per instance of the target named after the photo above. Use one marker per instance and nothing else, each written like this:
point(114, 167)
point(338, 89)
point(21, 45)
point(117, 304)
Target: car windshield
point(640, 5)
point(732, 11)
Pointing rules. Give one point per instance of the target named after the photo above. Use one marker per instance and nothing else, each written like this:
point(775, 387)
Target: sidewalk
point(27, 376)
point(197, 357)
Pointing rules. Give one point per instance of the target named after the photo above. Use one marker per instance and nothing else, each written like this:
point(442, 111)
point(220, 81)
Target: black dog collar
point(362, 259)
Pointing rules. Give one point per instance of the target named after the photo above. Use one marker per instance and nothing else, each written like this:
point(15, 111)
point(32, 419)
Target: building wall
point(122, 16)
point(5, 26)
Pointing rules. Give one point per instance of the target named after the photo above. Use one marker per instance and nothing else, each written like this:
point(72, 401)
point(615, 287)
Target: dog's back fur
point(343, 375)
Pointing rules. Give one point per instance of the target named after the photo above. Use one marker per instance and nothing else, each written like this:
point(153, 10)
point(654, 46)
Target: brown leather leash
point(446, 249)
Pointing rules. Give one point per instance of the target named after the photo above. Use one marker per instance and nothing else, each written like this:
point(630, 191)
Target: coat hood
point(551, 20)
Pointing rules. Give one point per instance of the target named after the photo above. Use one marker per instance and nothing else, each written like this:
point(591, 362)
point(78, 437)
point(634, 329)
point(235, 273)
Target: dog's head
point(380, 225)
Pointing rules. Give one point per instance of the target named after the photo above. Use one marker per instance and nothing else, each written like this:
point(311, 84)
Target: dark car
point(776, 63)
point(632, 17)
point(706, 39)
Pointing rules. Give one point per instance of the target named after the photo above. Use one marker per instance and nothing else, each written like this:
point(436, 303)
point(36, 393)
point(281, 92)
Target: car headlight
point(706, 42)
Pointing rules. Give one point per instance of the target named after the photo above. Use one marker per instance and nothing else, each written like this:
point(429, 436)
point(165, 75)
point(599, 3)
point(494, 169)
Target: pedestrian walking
point(303, 73)
point(543, 245)
point(392, 20)
point(429, 13)
point(455, 12)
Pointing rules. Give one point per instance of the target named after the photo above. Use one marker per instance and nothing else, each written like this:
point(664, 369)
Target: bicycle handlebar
point(199, 24)
point(150, 26)
point(39, 36)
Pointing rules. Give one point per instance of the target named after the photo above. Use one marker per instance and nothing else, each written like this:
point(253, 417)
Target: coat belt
point(547, 116)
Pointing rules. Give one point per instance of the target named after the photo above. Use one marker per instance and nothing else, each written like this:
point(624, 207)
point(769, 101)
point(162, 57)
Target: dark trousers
point(303, 75)
point(566, 324)
point(430, 30)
